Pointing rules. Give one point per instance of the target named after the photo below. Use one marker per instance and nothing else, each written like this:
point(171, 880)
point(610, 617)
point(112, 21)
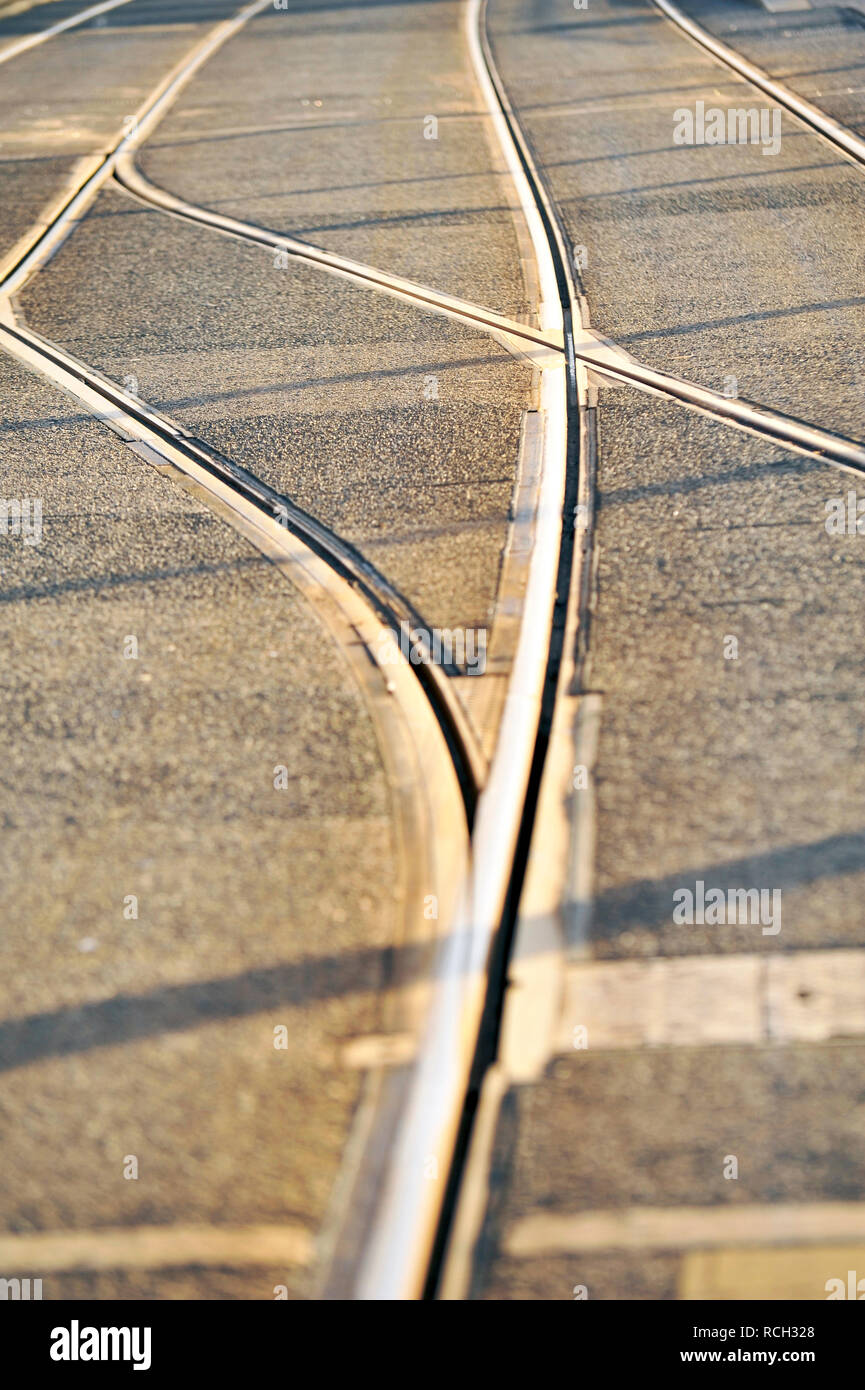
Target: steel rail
point(844, 139)
point(544, 346)
point(14, 50)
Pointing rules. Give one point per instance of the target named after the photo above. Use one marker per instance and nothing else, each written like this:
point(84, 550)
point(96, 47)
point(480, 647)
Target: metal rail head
point(841, 136)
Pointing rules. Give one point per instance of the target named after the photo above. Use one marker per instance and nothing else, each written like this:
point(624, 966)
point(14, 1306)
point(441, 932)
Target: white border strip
point(544, 1236)
point(156, 1247)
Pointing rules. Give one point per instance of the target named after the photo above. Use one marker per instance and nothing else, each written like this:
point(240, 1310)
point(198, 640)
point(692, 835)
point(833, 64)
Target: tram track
point(811, 116)
point(542, 347)
point(403, 1241)
point(24, 45)
point(135, 420)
